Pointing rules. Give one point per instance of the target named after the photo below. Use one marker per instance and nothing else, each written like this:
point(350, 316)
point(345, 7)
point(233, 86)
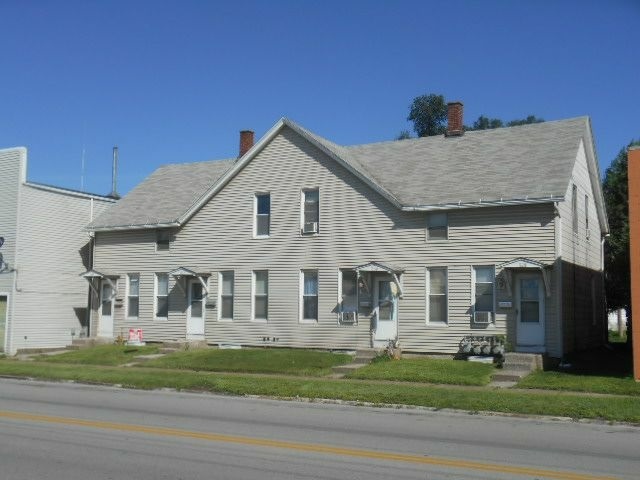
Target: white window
point(310, 211)
point(437, 226)
point(309, 293)
point(133, 295)
point(574, 207)
point(163, 240)
point(225, 302)
point(162, 296)
point(262, 207)
point(437, 293)
point(260, 289)
point(483, 294)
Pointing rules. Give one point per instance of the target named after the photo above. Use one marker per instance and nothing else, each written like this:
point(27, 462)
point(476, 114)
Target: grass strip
point(101, 355)
point(581, 383)
point(284, 361)
point(427, 370)
point(625, 409)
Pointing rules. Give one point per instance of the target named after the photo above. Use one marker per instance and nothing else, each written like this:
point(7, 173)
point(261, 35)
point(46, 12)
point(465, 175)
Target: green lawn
point(254, 360)
point(101, 355)
point(581, 383)
point(427, 370)
point(615, 337)
point(552, 403)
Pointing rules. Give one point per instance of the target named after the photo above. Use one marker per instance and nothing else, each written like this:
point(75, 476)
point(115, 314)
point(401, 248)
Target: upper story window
point(437, 295)
point(225, 284)
point(263, 214)
point(163, 240)
point(483, 294)
point(310, 211)
point(310, 295)
point(260, 294)
point(574, 208)
point(437, 226)
point(162, 296)
point(133, 295)
point(586, 215)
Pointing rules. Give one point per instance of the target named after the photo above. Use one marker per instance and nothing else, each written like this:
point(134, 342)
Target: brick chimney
point(455, 127)
point(246, 141)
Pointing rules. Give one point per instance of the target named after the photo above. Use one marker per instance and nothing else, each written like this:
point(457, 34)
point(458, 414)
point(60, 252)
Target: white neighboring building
point(43, 301)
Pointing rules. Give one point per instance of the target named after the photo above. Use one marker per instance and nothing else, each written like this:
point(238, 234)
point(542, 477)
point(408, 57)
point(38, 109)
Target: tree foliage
point(428, 114)
point(616, 253)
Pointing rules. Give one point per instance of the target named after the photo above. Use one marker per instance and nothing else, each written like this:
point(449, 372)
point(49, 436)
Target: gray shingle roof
point(529, 161)
point(164, 195)
point(515, 163)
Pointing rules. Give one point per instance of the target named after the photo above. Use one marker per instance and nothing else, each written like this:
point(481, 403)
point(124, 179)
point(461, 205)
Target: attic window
point(163, 239)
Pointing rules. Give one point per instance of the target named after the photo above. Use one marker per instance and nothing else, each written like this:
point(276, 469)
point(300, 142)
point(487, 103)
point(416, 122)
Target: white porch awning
point(522, 263)
point(183, 272)
point(91, 274)
point(380, 267)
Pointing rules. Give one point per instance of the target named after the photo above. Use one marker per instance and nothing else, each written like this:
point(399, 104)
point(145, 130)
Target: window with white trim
point(225, 285)
point(163, 240)
point(133, 295)
point(310, 211)
point(161, 307)
point(309, 293)
point(437, 295)
point(484, 292)
point(262, 206)
point(437, 226)
point(260, 287)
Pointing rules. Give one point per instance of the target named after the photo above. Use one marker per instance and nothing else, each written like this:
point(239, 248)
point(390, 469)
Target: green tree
point(616, 251)
point(525, 121)
point(428, 114)
point(485, 123)
point(404, 135)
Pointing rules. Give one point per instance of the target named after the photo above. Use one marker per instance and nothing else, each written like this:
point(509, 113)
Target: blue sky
point(174, 81)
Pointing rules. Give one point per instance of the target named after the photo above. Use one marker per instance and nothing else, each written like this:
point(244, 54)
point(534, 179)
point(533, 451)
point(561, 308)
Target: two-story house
point(300, 242)
point(43, 301)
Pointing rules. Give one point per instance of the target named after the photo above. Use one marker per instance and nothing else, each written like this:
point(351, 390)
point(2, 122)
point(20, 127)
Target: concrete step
point(522, 357)
point(78, 343)
point(509, 376)
point(368, 353)
point(523, 367)
point(166, 350)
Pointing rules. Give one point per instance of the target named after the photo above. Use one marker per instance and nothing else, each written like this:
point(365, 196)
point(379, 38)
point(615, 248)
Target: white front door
point(105, 325)
point(195, 310)
point(530, 312)
point(386, 308)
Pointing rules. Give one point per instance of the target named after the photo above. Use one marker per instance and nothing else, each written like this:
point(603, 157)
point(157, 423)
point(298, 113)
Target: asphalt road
point(69, 432)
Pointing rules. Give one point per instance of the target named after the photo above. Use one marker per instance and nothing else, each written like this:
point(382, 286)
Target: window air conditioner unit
point(348, 317)
point(310, 227)
point(482, 317)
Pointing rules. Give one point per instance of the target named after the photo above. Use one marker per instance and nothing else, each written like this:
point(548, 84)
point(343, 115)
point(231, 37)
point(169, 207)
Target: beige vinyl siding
point(581, 258)
point(357, 226)
point(12, 164)
point(53, 250)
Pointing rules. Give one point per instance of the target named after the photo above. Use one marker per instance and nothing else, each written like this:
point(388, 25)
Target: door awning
point(184, 272)
point(91, 274)
point(380, 267)
point(522, 263)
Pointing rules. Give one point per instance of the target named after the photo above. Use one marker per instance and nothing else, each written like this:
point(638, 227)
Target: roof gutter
point(482, 203)
point(146, 226)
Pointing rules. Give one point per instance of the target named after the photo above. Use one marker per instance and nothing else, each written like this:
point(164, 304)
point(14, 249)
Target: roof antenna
point(114, 175)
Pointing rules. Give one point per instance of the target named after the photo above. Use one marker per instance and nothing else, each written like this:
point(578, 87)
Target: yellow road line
point(305, 447)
